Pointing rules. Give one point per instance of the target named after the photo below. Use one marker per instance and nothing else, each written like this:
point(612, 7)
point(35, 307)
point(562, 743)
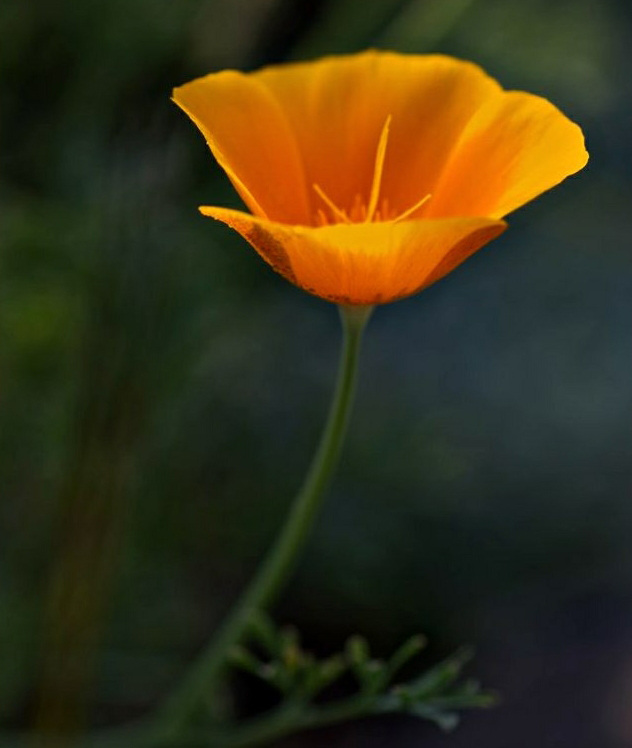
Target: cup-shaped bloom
point(370, 176)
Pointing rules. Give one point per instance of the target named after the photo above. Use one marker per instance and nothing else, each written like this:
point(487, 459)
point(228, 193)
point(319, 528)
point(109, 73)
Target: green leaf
point(447, 721)
point(264, 632)
point(324, 673)
point(404, 654)
point(357, 650)
point(443, 675)
point(244, 659)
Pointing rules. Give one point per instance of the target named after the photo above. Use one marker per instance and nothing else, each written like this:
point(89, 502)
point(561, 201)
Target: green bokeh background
point(161, 390)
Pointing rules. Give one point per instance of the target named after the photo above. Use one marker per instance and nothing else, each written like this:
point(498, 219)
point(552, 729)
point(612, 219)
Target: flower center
point(359, 212)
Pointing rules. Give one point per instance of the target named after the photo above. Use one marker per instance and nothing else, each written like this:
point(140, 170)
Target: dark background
point(161, 389)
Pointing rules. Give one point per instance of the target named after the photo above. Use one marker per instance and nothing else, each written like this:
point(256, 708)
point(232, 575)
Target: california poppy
point(371, 176)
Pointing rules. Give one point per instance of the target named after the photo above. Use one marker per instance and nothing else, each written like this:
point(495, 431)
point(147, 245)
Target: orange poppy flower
point(371, 176)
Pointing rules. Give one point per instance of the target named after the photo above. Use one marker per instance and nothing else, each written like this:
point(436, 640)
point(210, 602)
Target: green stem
point(284, 722)
point(260, 731)
point(201, 681)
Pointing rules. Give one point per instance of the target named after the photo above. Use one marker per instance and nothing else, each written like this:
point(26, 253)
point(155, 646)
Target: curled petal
point(249, 135)
point(514, 148)
point(364, 263)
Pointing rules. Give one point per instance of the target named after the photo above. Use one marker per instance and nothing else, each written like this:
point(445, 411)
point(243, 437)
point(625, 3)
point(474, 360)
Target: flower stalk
point(202, 680)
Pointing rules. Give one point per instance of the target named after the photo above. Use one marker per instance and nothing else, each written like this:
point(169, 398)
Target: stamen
point(358, 209)
point(338, 213)
point(411, 210)
point(321, 217)
point(377, 171)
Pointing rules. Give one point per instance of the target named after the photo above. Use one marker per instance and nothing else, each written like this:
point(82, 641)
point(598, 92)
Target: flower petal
point(515, 147)
point(250, 137)
point(338, 106)
point(363, 263)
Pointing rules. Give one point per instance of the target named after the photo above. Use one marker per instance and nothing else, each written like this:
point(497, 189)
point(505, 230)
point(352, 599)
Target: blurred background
point(161, 390)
